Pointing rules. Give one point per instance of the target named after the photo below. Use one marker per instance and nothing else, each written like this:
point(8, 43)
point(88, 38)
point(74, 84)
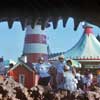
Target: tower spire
point(87, 28)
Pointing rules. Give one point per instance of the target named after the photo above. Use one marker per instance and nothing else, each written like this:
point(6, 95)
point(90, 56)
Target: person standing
point(42, 69)
point(88, 79)
point(70, 82)
point(78, 76)
point(98, 77)
point(90, 75)
point(60, 69)
point(71, 68)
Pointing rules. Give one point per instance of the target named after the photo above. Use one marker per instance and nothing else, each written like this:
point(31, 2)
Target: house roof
point(29, 66)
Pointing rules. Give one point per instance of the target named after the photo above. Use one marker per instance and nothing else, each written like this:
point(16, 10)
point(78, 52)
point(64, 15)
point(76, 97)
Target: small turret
point(87, 28)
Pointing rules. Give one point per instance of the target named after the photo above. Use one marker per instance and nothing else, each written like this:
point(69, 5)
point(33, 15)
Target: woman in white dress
point(70, 83)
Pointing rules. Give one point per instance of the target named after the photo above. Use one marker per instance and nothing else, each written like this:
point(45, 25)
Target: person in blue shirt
point(42, 69)
point(60, 69)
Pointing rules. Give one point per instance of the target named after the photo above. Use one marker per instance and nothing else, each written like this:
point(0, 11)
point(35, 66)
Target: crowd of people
point(57, 80)
point(62, 75)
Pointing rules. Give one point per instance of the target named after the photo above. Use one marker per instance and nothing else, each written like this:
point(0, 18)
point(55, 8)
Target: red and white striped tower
point(35, 44)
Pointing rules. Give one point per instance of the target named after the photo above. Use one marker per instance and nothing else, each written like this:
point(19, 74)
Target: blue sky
point(60, 39)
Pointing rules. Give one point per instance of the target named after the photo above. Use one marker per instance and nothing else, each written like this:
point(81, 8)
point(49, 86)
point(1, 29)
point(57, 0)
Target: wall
point(29, 76)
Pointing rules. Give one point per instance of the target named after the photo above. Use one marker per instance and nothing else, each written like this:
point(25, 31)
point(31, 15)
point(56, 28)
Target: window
point(21, 79)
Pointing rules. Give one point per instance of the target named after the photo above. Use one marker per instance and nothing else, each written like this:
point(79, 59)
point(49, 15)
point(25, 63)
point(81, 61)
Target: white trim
point(91, 66)
point(35, 48)
point(20, 63)
point(88, 60)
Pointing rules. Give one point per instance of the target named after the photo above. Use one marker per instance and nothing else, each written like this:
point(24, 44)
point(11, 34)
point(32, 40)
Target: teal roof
point(87, 47)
